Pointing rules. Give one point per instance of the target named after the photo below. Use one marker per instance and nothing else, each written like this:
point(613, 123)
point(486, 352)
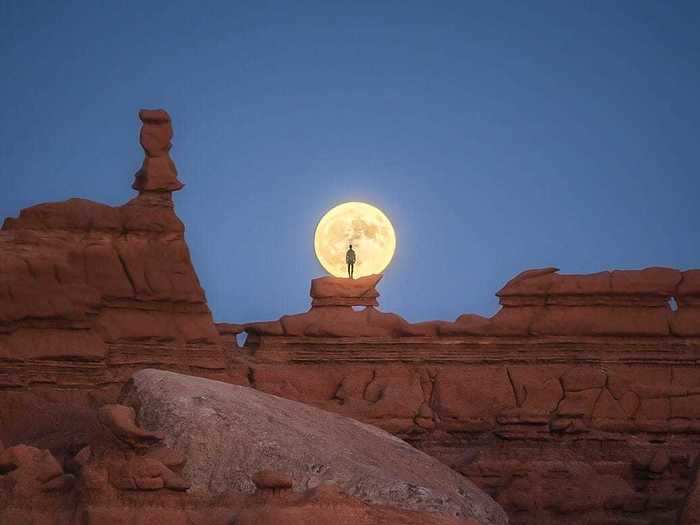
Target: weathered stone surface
point(547, 282)
point(229, 433)
point(121, 421)
point(28, 469)
point(530, 282)
point(158, 172)
point(145, 473)
point(326, 505)
point(466, 324)
point(470, 396)
point(168, 456)
point(337, 291)
point(537, 390)
point(690, 513)
point(685, 322)
point(86, 287)
point(652, 281)
point(271, 479)
point(339, 321)
point(583, 378)
point(601, 320)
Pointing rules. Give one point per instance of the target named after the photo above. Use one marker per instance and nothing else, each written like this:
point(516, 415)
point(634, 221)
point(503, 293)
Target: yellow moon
point(365, 227)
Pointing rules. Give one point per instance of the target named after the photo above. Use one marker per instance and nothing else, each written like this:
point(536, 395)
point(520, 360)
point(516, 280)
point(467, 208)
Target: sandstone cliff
point(89, 293)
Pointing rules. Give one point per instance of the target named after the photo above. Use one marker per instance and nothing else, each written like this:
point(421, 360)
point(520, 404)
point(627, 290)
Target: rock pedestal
point(338, 291)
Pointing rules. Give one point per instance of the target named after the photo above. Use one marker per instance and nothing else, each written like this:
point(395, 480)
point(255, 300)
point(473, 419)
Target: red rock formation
point(158, 172)
point(89, 293)
point(229, 434)
point(128, 474)
point(332, 315)
point(576, 403)
point(338, 291)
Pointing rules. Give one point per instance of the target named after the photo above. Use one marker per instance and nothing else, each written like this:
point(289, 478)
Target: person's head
point(351, 246)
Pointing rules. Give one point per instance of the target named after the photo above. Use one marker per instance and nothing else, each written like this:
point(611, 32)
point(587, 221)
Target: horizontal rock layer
point(556, 429)
point(535, 303)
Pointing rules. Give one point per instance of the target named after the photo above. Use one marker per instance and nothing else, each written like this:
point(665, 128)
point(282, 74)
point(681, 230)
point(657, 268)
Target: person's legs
point(352, 269)
point(349, 274)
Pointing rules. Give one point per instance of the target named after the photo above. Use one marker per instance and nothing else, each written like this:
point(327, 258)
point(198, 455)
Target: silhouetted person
point(350, 259)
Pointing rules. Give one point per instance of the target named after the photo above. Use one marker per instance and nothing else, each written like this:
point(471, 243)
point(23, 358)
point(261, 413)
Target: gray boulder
point(229, 433)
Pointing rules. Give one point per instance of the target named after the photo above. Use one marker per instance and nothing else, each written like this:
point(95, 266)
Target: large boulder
point(230, 433)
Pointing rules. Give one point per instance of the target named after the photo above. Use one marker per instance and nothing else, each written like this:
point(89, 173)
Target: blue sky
point(497, 136)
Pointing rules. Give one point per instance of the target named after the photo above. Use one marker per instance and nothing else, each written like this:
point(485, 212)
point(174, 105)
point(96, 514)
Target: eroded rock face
point(229, 433)
point(90, 292)
point(690, 514)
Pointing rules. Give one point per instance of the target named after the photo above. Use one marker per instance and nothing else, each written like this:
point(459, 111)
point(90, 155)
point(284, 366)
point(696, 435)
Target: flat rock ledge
point(229, 433)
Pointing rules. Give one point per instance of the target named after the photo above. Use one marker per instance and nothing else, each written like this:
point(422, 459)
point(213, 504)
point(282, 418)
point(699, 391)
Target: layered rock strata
point(576, 403)
point(89, 293)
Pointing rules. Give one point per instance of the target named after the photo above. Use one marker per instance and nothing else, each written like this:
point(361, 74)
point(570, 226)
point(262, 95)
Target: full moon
point(365, 227)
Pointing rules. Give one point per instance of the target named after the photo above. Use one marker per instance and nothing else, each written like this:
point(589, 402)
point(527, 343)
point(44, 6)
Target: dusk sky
point(497, 136)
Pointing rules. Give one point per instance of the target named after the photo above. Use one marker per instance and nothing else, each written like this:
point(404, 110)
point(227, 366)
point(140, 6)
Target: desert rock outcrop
point(230, 433)
point(89, 293)
point(578, 402)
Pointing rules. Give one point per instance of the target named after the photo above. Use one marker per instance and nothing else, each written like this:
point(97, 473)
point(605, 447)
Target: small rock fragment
point(121, 421)
point(270, 479)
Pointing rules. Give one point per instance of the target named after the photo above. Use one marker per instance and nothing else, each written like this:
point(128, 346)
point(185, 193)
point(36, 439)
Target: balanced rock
point(338, 291)
point(229, 433)
point(158, 172)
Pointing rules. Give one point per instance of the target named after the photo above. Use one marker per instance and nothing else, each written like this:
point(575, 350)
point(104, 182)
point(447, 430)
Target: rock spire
point(158, 172)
